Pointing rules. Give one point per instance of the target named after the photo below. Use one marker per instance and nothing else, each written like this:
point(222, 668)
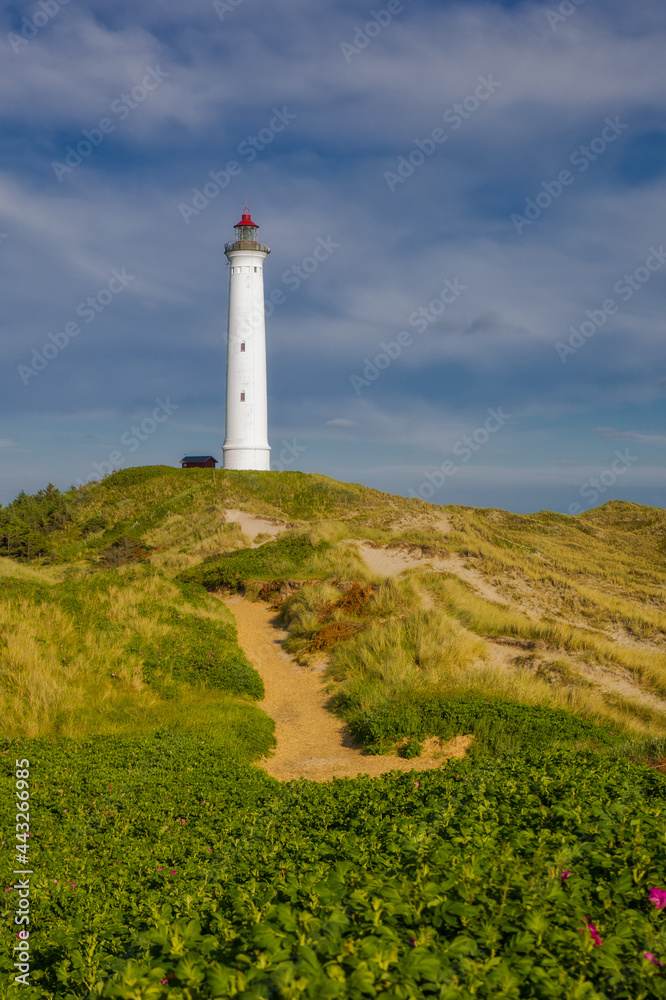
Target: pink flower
point(650, 957)
point(594, 933)
point(564, 876)
point(173, 872)
point(658, 897)
point(159, 869)
point(416, 783)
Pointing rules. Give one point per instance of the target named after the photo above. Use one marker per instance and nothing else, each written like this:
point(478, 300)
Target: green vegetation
point(293, 555)
point(83, 521)
point(428, 637)
point(169, 868)
point(167, 865)
point(27, 522)
point(400, 672)
point(497, 726)
point(118, 651)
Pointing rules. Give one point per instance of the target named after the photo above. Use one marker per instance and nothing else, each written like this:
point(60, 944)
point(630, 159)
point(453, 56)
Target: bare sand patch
point(253, 525)
point(392, 562)
point(438, 521)
point(504, 653)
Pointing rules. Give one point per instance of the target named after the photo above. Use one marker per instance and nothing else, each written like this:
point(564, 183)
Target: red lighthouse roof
point(246, 220)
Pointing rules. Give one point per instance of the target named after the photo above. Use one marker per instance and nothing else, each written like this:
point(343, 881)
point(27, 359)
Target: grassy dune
point(101, 586)
point(118, 651)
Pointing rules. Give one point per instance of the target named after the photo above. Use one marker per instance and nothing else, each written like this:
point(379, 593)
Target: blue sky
point(485, 182)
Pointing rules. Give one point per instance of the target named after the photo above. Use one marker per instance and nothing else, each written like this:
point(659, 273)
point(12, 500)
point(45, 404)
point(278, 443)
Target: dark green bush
point(285, 557)
point(92, 524)
point(498, 726)
point(28, 520)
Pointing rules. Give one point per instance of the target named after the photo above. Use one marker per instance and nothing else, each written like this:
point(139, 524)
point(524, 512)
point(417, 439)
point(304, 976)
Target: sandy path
point(311, 741)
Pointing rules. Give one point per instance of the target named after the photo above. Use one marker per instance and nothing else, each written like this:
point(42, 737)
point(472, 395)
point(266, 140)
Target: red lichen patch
point(333, 632)
point(354, 600)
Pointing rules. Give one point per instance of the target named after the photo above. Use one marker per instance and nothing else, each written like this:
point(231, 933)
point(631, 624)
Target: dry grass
point(606, 568)
point(317, 607)
point(61, 675)
point(421, 652)
point(184, 540)
point(11, 569)
point(487, 618)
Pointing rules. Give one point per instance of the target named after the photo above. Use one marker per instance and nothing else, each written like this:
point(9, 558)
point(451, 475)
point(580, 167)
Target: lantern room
point(246, 228)
point(245, 235)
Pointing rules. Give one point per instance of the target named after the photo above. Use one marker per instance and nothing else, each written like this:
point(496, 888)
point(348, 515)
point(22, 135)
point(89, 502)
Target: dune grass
point(395, 672)
point(405, 662)
point(116, 651)
point(291, 556)
point(605, 567)
point(419, 654)
point(488, 618)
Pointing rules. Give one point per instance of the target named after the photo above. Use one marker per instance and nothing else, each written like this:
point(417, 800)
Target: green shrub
point(199, 651)
point(28, 520)
point(285, 557)
point(93, 524)
point(498, 726)
point(137, 476)
point(167, 867)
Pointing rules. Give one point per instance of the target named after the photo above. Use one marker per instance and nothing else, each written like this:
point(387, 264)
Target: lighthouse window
point(242, 399)
point(243, 346)
point(255, 270)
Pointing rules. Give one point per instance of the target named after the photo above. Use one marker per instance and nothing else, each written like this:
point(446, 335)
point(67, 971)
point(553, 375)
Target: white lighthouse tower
point(246, 438)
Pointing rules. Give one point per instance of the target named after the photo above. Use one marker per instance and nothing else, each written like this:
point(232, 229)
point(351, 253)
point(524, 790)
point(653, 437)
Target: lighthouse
point(246, 434)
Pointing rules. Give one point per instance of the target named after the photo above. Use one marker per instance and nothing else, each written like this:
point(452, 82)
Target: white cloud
point(324, 176)
point(615, 435)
